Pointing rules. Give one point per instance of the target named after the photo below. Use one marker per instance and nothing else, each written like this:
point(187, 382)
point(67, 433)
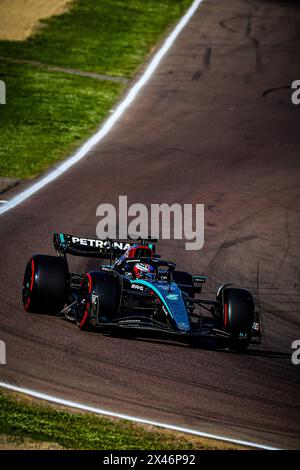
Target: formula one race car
point(137, 290)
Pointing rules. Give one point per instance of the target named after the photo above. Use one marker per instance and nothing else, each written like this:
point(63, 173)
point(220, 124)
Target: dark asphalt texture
point(215, 125)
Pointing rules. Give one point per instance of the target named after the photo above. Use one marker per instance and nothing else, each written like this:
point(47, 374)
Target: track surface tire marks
point(202, 131)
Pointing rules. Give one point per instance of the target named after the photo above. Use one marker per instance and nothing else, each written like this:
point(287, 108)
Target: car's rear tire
point(238, 316)
point(99, 298)
point(185, 279)
point(45, 284)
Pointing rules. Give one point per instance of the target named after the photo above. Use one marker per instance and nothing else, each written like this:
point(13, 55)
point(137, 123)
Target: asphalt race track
point(215, 125)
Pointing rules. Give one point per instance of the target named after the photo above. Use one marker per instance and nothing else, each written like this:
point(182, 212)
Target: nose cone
point(173, 298)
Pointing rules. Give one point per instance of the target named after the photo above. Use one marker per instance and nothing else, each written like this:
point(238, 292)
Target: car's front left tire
point(238, 316)
point(99, 298)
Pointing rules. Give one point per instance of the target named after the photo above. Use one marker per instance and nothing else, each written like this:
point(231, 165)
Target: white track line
point(100, 411)
point(103, 131)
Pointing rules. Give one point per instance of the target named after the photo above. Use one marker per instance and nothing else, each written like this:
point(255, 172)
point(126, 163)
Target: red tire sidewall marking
point(225, 314)
point(86, 313)
point(26, 306)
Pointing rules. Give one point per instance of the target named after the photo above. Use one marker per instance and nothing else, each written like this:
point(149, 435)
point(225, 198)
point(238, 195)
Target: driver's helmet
point(143, 271)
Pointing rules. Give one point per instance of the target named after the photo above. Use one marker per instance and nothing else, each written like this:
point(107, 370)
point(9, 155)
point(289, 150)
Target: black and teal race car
point(137, 291)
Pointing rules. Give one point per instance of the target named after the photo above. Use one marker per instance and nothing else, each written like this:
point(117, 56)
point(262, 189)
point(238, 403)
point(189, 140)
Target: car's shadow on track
point(260, 353)
point(204, 345)
point(143, 338)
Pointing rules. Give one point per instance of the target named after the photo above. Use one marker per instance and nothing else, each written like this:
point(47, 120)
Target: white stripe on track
point(135, 419)
point(109, 123)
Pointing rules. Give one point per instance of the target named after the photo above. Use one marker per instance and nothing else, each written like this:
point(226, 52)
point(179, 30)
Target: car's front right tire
point(45, 284)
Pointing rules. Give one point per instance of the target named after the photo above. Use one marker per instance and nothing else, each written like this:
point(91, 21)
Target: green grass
point(22, 418)
point(107, 36)
point(48, 114)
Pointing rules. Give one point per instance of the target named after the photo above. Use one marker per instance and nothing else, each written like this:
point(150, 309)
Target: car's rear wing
point(91, 247)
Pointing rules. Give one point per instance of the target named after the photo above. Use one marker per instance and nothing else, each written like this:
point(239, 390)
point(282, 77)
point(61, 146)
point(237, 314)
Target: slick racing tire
point(238, 316)
point(45, 284)
point(99, 299)
point(186, 279)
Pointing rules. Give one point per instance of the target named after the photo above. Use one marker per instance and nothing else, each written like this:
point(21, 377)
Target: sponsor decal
point(100, 243)
point(137, 287)
point(172, 296)
point(166, 287)
point(183, 326)
point(126, 322)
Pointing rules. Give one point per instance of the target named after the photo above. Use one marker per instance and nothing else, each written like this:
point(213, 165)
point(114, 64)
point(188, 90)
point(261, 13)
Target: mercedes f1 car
point(136, 290)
